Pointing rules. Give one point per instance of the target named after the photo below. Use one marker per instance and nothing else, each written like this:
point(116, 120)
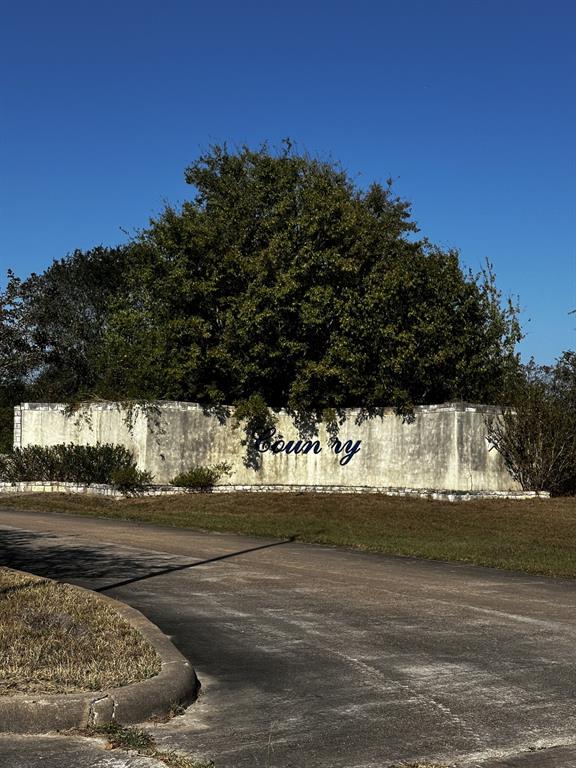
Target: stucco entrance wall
point(443, 448)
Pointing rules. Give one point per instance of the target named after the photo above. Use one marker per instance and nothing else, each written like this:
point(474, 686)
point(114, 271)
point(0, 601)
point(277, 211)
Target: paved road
point(312, 657)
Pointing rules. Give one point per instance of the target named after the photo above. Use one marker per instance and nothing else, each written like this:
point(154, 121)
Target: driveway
point(312, 657)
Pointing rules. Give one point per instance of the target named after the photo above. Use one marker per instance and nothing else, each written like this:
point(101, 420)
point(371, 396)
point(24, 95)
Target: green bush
point(202, 477)
point(69, 463)
point(130, 480)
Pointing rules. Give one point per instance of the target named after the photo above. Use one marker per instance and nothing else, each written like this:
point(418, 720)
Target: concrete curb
point(176, 683)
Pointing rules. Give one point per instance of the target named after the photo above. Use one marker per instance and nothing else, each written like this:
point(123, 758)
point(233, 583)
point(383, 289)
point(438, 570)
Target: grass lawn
point(537, 536)
point(56, 638)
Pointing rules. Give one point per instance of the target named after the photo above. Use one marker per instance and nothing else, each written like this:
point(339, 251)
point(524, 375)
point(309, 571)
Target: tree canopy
point(280, 281)
point(52, 324)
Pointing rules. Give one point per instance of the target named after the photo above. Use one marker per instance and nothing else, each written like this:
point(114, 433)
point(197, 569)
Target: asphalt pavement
point(317, 657)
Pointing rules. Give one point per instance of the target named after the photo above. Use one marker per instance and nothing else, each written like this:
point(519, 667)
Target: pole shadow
point(101, 567)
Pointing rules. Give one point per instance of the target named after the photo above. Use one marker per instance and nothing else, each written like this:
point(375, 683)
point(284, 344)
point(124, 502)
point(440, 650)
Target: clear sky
point(469, 105)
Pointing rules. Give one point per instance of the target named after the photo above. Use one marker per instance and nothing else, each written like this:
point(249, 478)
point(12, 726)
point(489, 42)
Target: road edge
point(157, 696)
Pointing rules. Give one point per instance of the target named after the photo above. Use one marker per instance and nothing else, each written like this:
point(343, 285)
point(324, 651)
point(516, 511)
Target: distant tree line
point(281, 283)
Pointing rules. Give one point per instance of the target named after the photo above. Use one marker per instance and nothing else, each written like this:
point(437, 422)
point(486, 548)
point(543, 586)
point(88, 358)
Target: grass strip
point(56, 638)
point(533, 536)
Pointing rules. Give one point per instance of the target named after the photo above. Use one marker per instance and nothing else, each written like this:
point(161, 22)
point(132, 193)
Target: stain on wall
point(443, 448)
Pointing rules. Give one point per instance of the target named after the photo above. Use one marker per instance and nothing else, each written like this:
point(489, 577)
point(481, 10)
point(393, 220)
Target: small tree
point(536, 436)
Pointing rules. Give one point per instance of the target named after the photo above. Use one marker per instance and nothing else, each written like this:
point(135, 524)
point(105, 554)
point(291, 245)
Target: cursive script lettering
point(268, 442)
point(349, 448)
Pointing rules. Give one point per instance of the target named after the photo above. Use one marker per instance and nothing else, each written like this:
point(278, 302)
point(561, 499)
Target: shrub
point(130, 480)
point(70, 463)
point(202, 477)
point(537, 435)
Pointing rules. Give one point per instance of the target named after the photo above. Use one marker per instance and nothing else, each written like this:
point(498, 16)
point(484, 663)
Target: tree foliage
point(537, 434)
point(52, 329)
point(283, 281)
point(52, 324)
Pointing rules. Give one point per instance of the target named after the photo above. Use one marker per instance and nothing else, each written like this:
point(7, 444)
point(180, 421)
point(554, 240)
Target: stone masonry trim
point(172, 490)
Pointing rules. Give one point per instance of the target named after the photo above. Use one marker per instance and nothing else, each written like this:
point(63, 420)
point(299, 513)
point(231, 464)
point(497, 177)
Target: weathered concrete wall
point(444, 448)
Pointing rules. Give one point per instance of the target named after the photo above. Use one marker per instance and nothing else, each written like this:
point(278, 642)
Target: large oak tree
point(283, 281)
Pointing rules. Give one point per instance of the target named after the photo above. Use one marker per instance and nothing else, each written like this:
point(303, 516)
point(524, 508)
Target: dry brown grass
point(535, 536)
point(56, 638)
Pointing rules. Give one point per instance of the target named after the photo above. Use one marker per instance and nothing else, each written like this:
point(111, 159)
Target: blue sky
point(470, 106)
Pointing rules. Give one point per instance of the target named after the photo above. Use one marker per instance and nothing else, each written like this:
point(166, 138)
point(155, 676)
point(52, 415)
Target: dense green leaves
point(280, 283)
point(52, 324)
point(52, 328)
point(67, 463)
point(282, 279)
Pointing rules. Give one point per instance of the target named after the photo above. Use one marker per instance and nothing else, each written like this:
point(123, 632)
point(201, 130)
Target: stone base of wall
point(172, 490)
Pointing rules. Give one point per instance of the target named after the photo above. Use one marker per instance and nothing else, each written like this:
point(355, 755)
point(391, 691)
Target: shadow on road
point(67, 559)
point(198, 562)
